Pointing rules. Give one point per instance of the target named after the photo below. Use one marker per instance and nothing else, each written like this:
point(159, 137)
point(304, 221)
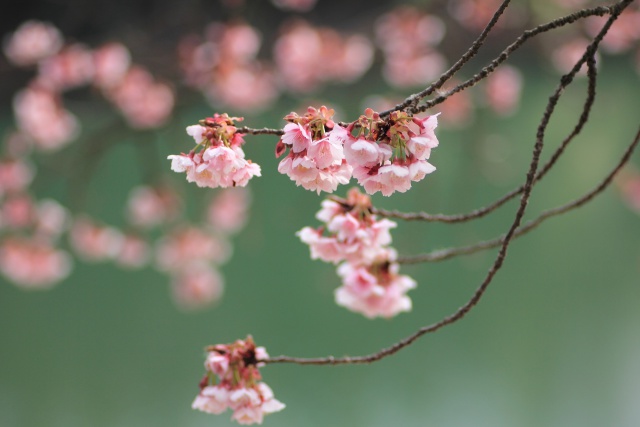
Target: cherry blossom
point(374, 290)
point(221, 161)
point(390, 159)
point(238, 385)
point(316, 159)
point(354, 237)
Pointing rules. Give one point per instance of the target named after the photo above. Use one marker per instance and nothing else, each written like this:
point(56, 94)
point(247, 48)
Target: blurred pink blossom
point(307, 56)
point(228, 212)
point(70, 68)
point(223, 66)
point(33, 264)
point(502, 89)
point(32, 42)
point(111, 63)
point(629, 186)
point(620, 37)
point(408, 38)
point(93, 242)
point(144, 102)
point(148, 207)
point(458, 109)
point(52, 219)
point(15, 175)
point(568, 53)
point(196, 286)
point(40, 115)
point(134, 252)
point(17, 211)
point(187, 244)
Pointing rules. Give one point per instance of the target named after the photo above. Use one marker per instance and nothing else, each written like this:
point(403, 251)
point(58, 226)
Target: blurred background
point(103, 326)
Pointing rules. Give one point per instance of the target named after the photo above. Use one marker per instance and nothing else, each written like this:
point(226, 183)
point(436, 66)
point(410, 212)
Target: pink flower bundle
point(237, 385)
point(371, 283)
point(220, 161)
point(316, 159)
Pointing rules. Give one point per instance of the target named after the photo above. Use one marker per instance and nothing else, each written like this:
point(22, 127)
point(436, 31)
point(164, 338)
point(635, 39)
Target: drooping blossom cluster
point(233, 381)
point(354, 237)
point(388, 155)
point(39, 107)
point(316, 159)
point(220, 161)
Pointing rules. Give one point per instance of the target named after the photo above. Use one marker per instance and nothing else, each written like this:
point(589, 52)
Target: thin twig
point(556, 23)
point(481, 212)
point(470, 53)
point(262, 131)
point(443, 254)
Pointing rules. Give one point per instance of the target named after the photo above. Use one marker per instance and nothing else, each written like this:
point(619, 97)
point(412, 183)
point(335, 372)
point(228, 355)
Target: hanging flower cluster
point(316, 159)
point(388, 155)
point(238, 383)
point(220, 161)
point(371, 284)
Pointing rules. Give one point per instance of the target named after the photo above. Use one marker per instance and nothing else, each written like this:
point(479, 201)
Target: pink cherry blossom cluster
point(39, 108)
point(383, 156)
point(408, 39)
point(233, 381)
point(316, 159)
point(224, 67)
point(388, 155)
point(220, 160)
point(371, 284)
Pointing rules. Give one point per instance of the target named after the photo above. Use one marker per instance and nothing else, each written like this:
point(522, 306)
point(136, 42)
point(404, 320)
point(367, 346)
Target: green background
point(554, 342)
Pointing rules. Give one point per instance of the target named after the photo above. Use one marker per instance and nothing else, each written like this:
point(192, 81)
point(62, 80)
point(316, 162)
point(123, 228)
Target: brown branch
point(557, 23)
point(470, 53)
point(262, 131)
point(481, 212)
point(444, 254)
point(497, 264)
